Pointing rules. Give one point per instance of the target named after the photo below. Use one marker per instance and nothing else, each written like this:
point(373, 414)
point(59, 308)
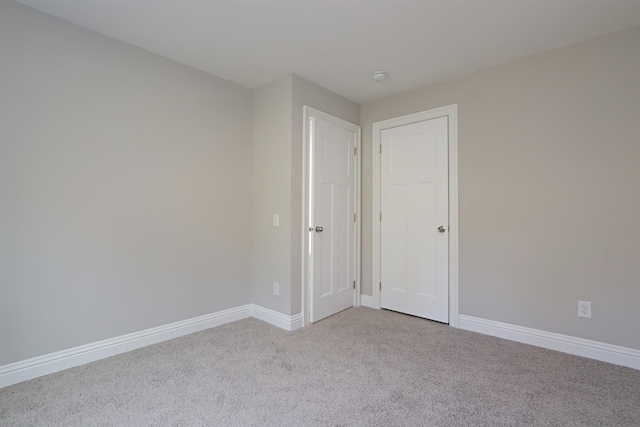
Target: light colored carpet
point(361, 367)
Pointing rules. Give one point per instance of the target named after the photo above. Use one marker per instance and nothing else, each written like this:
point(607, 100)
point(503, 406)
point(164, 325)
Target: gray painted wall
point(130, 194)
point(308, 93)
point(125, 188)
point(277, 184)
point(272, 195)
point(549, 187)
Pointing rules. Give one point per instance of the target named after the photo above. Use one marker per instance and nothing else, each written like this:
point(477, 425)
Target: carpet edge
point(24, 370)
point(604, 352)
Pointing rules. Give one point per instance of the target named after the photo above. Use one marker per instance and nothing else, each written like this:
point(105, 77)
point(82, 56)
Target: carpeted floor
point(361, 367)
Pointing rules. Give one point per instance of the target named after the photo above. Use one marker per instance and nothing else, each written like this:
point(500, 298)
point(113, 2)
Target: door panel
point(414, 201)
point(333, 209)
point(398, 233)
point(426, 247)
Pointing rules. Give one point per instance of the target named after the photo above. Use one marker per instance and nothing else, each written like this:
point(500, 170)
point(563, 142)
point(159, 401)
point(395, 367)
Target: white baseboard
point(368, 301)
point(283, 321)
point(53, 362)
point(43, 365)
point(578, 346)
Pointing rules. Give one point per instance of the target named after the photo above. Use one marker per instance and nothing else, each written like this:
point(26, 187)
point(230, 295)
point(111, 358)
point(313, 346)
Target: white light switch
point(276, 220)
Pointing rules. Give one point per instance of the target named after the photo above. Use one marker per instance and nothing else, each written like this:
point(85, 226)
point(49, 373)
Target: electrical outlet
point(276, 288)
point(584, 309)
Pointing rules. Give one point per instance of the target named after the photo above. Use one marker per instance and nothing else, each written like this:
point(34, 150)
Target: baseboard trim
point(24, 370)
point(53, 362)
point(50, 363)
point(283, 321)
point(577, 346)
point(368, 301)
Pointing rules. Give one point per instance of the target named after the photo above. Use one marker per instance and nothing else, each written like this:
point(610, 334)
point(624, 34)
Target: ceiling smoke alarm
point(379, 76)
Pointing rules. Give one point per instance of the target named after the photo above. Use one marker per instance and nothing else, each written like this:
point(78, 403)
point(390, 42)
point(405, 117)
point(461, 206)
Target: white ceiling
point(338, 44)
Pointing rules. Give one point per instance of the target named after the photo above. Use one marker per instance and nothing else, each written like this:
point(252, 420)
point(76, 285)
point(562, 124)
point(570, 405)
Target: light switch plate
point(276, 220)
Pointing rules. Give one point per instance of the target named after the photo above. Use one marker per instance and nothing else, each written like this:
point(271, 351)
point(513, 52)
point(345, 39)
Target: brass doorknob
point(441, 229)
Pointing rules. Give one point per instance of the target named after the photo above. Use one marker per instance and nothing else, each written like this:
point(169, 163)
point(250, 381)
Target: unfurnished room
point(320, 213)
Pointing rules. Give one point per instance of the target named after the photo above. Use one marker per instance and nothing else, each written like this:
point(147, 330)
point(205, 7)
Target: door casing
point(307, 265)
point(450, 111)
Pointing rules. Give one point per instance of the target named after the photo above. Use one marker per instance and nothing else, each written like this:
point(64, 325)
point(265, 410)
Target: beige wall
point(125, 188)
point(549, 187)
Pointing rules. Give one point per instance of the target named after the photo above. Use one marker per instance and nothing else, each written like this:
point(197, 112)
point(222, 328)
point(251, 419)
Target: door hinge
point(354, 284)
point(380, 216)
point(355, 151)
point(380, 148)
point(354, 217)
point(380, 286)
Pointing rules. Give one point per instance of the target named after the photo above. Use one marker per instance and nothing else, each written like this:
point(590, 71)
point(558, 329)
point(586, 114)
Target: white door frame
point(451, 112)
point(307, 265)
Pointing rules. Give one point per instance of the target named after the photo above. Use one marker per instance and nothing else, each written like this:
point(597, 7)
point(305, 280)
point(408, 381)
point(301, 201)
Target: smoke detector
point(379, 76)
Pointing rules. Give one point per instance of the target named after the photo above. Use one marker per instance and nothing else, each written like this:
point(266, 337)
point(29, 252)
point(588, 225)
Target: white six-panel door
point(332, 223)
point(414, 264)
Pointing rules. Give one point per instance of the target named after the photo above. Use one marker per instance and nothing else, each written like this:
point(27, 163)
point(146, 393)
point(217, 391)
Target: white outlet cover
point(584, 309)
point(276, 288)
point(276, 220)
